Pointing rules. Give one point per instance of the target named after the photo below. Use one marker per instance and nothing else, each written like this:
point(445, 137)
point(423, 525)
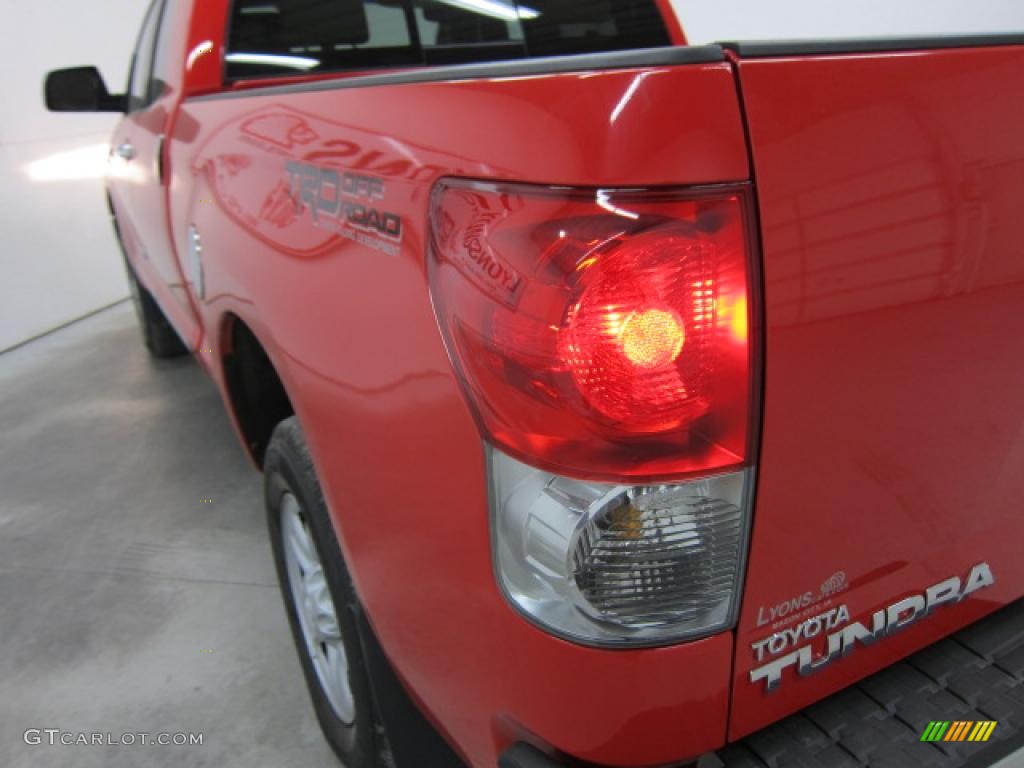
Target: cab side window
point(459, 33)
point(140, 78)
point(557, 28)
point(295, 37)
point(292, 37)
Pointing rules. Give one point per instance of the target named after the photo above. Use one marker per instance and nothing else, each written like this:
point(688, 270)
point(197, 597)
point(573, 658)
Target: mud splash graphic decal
point(830, 636)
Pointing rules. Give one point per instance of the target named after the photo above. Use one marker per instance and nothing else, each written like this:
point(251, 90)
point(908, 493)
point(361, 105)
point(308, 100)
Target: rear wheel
point(320, 601)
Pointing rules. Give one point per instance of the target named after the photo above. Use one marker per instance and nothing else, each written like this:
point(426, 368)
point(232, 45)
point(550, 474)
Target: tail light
point(602, 337)
point(599, 334)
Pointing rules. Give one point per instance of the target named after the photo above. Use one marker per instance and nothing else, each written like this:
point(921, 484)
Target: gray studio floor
point(127, 603)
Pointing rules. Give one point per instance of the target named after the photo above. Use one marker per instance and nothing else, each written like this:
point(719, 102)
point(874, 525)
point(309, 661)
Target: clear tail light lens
point(599, 333)
point(606, 564)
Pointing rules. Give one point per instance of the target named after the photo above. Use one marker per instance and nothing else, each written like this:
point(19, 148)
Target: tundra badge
point(843, 636)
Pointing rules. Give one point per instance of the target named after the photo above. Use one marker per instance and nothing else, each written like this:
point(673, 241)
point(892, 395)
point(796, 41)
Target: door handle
point(125, 150)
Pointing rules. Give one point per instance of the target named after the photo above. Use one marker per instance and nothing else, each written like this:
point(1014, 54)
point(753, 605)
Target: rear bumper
point(974, 675)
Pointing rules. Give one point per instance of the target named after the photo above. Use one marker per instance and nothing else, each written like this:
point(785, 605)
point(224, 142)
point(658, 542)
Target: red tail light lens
point(599, 333)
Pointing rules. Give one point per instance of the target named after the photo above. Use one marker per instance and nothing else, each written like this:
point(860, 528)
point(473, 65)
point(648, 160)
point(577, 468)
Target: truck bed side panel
point(891, 196)
point(347, 320)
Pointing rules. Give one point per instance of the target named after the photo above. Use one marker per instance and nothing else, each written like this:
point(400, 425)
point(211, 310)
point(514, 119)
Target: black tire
point(288, 469)
point(158, 334)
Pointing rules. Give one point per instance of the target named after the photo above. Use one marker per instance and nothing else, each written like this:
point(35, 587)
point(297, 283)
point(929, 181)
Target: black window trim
point(160, 8)
point(649, 57)
point(135, 55)
point(762, 49)
point(547, 65)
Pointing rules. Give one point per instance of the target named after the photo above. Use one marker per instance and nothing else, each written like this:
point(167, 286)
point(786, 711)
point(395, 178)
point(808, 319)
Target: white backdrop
point(58, 259)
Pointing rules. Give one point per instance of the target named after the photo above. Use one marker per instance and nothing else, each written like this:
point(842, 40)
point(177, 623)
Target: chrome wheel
point(315, 608)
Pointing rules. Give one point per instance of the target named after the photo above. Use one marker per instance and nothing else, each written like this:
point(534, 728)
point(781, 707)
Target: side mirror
point(80, 89)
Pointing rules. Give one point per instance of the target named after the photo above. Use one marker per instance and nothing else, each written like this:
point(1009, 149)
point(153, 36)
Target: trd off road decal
point(343, 187)
point(345, 202)
point(829, 636)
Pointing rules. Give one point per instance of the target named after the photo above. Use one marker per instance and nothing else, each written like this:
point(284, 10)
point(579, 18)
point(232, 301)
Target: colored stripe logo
point(958, 730)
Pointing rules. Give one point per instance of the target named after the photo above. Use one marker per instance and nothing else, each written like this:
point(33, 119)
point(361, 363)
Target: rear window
point(290, 37)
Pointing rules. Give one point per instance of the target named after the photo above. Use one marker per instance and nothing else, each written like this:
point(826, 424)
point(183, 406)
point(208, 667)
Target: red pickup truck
point(619, 401)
